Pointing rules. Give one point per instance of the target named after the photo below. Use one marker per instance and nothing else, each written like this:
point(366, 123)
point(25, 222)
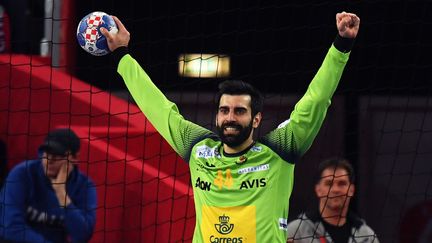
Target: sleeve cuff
point(118, 53)
point(343, 44)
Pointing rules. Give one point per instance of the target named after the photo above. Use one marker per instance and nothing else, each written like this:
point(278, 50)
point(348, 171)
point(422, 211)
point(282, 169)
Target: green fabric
point(241, 198)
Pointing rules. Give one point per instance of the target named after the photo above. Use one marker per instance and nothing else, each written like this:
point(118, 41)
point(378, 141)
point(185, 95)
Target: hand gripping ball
point(89, 36)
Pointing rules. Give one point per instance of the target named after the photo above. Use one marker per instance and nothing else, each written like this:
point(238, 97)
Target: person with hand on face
point(49, 199)
point(241, 184)
point(332, 221)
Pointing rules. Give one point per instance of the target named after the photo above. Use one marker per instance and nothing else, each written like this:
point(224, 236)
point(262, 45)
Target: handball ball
point(89, 36)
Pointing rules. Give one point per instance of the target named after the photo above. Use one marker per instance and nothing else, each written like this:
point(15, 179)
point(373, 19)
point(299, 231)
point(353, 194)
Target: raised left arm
point(348, 24)
point(296, 135)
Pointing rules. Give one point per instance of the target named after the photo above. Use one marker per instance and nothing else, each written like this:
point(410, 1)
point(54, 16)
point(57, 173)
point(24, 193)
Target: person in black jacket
point(332, 221)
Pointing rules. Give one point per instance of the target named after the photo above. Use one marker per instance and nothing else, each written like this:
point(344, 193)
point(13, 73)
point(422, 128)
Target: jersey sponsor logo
point(241, 160)
point(256, 149)
point(224, 227)
point(283, 224)
point(214, 239)
point(209, 165)
point(204, 168)
point(201, 168)
point(255, 183)
point(203, 185)
point(206, 152)
point(253, 169)
point(283, 124)
point(228, 224)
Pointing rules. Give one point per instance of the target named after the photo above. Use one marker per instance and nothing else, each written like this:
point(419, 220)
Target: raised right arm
point(162, 113)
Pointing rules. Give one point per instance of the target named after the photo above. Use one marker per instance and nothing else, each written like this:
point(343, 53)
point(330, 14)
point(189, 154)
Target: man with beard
point(241, 185)
point(332, 221)
point(48, 199)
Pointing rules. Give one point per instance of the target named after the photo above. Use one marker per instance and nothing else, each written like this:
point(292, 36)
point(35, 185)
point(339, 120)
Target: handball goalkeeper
point(241, 185)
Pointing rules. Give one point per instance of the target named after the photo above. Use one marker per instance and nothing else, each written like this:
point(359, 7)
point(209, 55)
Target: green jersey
point(240, 197)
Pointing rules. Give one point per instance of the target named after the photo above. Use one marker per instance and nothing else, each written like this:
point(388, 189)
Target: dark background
point(278, 46)
point(381, 115)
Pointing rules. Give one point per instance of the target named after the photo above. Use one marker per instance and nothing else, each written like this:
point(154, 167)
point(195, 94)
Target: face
point(234, 121)
point(53, 163)
point(334, 189)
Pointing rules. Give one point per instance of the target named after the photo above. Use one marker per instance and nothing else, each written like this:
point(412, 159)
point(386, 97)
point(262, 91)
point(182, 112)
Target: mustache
point(231, 124)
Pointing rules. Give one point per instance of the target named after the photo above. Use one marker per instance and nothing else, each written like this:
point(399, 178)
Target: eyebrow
point(332, 178)
point(333, 175)
point(236, 107)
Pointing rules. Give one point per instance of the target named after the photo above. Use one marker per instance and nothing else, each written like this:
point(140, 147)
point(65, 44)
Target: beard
point(337, 202)
point(234, 140)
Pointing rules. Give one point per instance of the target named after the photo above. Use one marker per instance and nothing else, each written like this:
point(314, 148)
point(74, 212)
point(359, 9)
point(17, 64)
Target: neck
point(238, 149)
point(334, 216)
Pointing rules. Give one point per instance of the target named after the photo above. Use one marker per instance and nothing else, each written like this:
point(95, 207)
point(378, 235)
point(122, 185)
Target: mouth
point(338, 199)
point(231, 129)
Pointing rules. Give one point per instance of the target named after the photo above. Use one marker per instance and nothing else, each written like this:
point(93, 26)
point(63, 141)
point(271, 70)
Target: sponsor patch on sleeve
point(283, 224)
point(283, 124)
point(205, 152)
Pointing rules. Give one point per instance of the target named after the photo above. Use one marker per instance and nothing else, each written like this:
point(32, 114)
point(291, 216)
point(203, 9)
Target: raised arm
point(348, 24)
point(162, 113)
point(295, 136)
point(121, 39)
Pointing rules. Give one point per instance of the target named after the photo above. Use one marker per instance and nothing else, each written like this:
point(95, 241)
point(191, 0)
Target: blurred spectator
point(332, 221)
point(48, 199)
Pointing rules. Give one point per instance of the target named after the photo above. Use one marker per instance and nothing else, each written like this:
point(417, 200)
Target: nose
point(231, 116)
point(335, 189)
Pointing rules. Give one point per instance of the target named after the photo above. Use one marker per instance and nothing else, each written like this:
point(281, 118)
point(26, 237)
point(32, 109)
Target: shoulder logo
point(206, 152)
point(256, 149)
point(283, 224)
point(283, 124)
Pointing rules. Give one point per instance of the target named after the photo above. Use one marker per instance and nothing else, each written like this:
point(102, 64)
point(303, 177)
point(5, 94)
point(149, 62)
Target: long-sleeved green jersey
point(239, 197)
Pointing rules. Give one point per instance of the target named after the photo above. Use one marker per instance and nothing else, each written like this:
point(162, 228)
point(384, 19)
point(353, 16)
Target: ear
point(351, 190)
point(73, 157)
point(257, 120)
point(318, 190)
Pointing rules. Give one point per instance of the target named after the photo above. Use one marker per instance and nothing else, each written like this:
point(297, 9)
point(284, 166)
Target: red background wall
point(142, 185)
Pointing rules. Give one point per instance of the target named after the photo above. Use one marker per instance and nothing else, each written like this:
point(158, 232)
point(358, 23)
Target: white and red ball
point(89, 36)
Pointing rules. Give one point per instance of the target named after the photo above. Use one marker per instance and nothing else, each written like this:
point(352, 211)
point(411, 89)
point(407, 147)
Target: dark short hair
point(60, 141)
point(238, 87)
point(335, 163)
